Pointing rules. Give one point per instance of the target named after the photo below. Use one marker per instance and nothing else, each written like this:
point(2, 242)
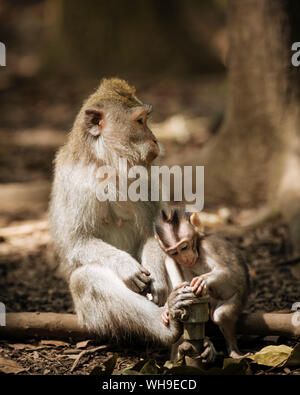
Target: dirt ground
point(28, 272)
point(29, 283)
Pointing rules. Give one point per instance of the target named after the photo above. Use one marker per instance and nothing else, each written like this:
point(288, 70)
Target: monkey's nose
point(153, 150)
point(151, 156)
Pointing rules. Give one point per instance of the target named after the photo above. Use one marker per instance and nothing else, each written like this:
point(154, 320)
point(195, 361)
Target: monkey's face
point(185, 251)
point(184, 256)
point(139, 137)
point(123, 131)
point(177, 237)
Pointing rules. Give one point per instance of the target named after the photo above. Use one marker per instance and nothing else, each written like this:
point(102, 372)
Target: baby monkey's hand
point(165, 317)
point(198, 285)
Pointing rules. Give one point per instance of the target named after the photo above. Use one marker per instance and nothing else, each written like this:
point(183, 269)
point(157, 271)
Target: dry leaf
point(74, 357)
point(9, 366)
point(86, 352)
point(71, 351)
point(82, 344)
point(26, 347)
point(272, 355)
point(55, 343)
point(35, 355)
point(18, 346)
point(35, 348)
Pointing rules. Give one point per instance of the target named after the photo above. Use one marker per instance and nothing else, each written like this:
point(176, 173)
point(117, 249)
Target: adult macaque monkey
point(107, 249)
point(213, 265)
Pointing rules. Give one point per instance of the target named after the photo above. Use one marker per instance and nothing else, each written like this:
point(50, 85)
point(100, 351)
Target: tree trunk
point(255, 156)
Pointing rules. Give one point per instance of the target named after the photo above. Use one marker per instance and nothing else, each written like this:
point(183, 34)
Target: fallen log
point(42, 325)
point(264, 324)
point(60, 326)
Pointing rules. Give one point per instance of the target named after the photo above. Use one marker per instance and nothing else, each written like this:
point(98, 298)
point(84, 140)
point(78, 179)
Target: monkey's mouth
point(153, 151)
point(190, 263)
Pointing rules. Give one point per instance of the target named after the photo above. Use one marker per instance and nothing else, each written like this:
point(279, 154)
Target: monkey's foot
point(238, 355)
point(209, 355)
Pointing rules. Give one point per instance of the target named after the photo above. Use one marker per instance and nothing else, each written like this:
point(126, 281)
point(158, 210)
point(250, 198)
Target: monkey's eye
point(140, 121)
point(174, 253)
point(184, 247)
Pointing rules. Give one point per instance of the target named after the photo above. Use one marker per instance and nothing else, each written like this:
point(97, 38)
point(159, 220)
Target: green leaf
point(151, 367)
point(107, 367)
point(231, 367)
point(182, 370)
point(172, 364)
point(235, 366)
point(144, 366)
point(294, 358)
point(134, 368)
point(129, 372)
point(98, 370)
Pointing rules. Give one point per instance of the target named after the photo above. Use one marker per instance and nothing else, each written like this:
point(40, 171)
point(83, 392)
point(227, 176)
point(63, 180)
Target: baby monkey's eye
point(184, 247)
point(140, 121)
point(174, 253)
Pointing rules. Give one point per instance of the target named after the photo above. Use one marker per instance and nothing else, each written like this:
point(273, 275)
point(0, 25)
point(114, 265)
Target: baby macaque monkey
point(211, 264)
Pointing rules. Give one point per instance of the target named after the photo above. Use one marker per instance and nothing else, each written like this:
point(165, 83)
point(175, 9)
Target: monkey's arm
point(153, 259)
point(96, 251)
point(216, 283)
point(77, 244)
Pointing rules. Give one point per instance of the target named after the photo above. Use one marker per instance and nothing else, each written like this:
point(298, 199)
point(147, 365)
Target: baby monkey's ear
point(195, 221)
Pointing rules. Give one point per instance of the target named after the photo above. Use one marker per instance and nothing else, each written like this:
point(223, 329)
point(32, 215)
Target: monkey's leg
point(108, 308)
point(225, 315)
point(174, 354)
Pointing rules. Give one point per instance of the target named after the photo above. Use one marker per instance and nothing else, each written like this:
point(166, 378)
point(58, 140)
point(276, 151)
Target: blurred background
point(173, 51)
point(57, 51)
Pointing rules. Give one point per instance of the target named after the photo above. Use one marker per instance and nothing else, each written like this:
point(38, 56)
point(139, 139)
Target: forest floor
point(28, 282)
point(28, 273)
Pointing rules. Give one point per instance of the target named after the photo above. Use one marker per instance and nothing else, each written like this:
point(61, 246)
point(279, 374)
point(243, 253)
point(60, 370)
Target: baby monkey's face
point(178, 236)
point(184, 250)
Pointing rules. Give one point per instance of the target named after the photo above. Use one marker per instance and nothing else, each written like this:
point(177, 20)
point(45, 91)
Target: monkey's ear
point(174, 217)
point(164, 215)
point(195, 221)
point(94, 119)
